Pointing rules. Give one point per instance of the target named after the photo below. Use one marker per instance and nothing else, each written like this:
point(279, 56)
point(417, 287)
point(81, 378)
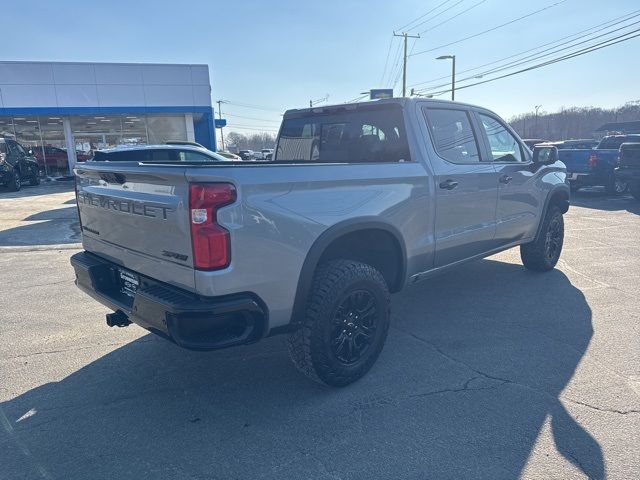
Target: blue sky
point(281, 54)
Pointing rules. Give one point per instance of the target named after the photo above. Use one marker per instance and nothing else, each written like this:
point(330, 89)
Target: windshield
point(613, 143)
point(373, 133)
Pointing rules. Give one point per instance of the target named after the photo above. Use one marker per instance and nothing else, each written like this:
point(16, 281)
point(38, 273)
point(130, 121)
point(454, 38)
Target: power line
point(437, 14)
point(357, 99)
point(256, 107)
point(397, 56)
point(254, 127)
point(539, 55)
point(597, 28)
point(416, 37)
point(406, 27)
point(607, 43)
point(251, 118)
point(386, 62)
point(454, 16)
point(492, 29)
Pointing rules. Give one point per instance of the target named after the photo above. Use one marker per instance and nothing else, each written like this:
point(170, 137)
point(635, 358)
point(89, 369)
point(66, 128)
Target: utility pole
point(220, 102)
point(404, 63)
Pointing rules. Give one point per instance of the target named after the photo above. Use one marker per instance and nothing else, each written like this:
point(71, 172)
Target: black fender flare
point(321, 243)
point(564, 206)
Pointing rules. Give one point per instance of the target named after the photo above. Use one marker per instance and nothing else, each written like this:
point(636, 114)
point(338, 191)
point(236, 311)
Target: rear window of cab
point(373, 133)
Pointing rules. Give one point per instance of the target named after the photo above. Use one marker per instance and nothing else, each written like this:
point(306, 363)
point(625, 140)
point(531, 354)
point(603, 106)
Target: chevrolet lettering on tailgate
point(124, 206)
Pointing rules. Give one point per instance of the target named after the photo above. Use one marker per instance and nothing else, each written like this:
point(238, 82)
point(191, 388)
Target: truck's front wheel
point(345, 323)
point(543, 253)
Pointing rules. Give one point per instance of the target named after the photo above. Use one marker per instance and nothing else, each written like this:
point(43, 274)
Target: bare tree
point(574, 122)
point(255, 141)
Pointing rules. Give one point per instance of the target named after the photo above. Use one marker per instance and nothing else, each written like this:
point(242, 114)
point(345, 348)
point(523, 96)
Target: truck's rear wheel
point(543, 253)
point(616, 186)
point(345, 323)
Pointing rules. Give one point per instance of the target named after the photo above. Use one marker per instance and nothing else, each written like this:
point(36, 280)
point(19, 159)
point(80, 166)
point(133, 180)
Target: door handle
point(505, 179)
point(448, 184)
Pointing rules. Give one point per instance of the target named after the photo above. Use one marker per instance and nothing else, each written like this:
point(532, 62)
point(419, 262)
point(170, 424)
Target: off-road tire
point(540, 255)
point(310, 343)
point(612, 187)
point(15, 184)
point(34, 180)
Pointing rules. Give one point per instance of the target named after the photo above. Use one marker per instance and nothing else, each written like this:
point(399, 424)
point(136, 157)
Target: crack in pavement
point(600, 409)
point(506, 381)
point(463, 388)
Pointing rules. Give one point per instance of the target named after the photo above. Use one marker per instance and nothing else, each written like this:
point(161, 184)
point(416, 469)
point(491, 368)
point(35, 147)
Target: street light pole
point(453, 73)
point(220, 102)
point(537, 107)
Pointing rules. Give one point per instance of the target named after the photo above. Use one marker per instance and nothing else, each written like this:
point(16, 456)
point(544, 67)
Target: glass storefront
point(44, 135)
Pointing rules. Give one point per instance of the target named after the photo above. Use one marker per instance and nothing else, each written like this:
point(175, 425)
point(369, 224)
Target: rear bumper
point(586, 179)
point(189, 320)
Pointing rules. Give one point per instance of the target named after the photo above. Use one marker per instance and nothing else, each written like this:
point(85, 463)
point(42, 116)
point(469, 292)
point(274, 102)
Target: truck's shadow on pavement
point(470, 375)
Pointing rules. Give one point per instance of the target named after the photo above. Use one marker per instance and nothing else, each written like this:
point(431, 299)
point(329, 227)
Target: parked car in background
point(258, 155)
point(628, 170)
point(359, 202)
point(229, 155)
point(56, 158)
point(247, 155)
point(167, 153)
point(267, 153)
point(578, 144)
point(596, 167)
point(532, 142)
point(17, 166)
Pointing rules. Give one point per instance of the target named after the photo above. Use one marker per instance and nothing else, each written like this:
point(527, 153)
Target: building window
point(44, 135)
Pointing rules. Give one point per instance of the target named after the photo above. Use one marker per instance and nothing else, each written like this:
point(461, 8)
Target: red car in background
point(56, 158)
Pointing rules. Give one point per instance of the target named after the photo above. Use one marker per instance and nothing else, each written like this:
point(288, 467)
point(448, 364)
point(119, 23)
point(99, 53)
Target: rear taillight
point(211, 244)
point(593, 161)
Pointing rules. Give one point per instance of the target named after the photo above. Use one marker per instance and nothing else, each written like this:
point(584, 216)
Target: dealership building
point(63, 111)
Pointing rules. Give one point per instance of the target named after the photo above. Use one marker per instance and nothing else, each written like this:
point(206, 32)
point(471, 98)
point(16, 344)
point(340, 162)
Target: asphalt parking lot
point(488, 372)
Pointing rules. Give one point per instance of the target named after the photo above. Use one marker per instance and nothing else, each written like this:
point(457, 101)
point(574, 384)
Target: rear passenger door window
point(452, 134)
point(503, 144)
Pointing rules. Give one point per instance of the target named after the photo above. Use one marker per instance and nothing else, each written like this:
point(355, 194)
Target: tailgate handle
point(111, 177)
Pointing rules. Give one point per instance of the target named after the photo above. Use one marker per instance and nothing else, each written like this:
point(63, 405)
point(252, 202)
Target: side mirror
point(545, 155)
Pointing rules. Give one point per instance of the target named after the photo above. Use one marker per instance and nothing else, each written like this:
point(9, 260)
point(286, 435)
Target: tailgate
point(577, 161)
point(137, 216)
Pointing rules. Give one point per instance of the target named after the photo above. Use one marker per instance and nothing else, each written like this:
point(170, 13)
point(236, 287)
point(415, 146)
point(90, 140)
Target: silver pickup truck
point(359, 201)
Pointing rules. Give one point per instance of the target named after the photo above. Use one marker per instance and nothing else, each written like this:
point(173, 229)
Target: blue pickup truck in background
point(588, 166)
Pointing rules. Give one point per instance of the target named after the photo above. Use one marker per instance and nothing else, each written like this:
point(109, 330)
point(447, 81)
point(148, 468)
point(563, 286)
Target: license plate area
point(128, 282)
